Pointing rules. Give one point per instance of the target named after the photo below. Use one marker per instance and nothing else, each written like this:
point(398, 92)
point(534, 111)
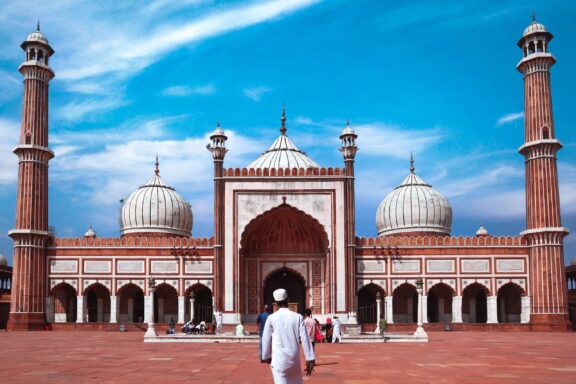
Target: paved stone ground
point(457, 357)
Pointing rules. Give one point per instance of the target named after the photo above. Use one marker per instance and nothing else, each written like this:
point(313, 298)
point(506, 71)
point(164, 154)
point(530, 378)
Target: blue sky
point(138, 78)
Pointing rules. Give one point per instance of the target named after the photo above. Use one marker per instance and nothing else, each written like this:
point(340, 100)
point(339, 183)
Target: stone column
point(113, 309)
point(181, 307)
point(146, 309)
point(424, 309)
point(492, 308)
point(50, 309)
point(151, 332)
point(457, 309)
point(525, 314)
point(378, 305)
point(420, 332)
point(388, 300)
point(192, 298)
point(80, 309)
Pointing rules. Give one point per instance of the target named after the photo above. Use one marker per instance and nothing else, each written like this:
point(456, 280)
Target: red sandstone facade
point(276, 225)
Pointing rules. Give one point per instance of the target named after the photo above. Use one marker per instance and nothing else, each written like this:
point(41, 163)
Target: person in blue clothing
point(260, 321)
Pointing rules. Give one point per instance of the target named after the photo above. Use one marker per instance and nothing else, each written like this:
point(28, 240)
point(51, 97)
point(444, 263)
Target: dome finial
point(533, 16)
point(38, 26)
point(412, 169)
point(157, 170)
point(283, 120)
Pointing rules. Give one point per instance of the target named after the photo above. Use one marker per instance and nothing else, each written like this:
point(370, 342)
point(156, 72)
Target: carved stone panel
point(63, 266)
point(97, 266)
point(482, 266)
point(406, 266)
point(440, 265)
point(203, 266)
point(370, 266)
point(164, 266)
point(510, 265)
point(130, 266)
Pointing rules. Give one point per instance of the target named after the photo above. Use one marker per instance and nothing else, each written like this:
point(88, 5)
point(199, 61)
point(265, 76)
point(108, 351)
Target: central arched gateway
point(292, 282)
point(284, 248)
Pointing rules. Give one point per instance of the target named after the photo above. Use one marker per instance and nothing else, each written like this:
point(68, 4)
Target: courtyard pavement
point(454, 357)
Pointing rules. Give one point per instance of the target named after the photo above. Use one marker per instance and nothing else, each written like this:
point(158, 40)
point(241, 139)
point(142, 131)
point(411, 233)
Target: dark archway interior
point(134, 293)
point(509, 303)
point(291, 282)
point(438, 294)
point(474, 304)
point(403, 296)
point(367, 311)
point(65, 302)
point(203, 305)
point(94, 294)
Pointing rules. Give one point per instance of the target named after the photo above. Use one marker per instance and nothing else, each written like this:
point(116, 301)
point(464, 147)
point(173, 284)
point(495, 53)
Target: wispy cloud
point(185, 90)
point(509, 118)
point(484, 180)
point(86, 109)
point(256, 93)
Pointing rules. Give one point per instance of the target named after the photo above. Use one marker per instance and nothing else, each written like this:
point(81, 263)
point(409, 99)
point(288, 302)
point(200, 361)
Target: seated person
point(240, 329)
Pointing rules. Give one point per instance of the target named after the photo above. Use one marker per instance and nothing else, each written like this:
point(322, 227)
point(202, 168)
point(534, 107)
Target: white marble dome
point(156, 208)
point(3, 261)
point(90, 233)
point(414, 206)
point(283, 153)
point(534, 27)
point(37, 37)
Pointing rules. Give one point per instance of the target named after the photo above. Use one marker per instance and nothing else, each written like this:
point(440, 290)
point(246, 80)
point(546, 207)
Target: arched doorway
point(474, 304)
point(509, 303)
point(64, 296)
point(201, 296)
point(98, 303)
point(405, 304)
point(292, 282)
point(165, 303)
point(368, 307)
point(131, 304)
point(288, 244)
point(440, 304)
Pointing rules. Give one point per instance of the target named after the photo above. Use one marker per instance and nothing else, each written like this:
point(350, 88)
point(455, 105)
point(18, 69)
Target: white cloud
point(86, 109)
point(8, 161)
point(256, 93)
point(496, 205)
point(509, 118)
point(184, 90)
point(486, 179)
point(381, 139)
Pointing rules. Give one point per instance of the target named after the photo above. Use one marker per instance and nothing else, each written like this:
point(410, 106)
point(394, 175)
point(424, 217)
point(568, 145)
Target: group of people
point(282, 332)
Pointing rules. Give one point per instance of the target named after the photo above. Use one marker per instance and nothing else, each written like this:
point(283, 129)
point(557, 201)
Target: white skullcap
point(280, 294)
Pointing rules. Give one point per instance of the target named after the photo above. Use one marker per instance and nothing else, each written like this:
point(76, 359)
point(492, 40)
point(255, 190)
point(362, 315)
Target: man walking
point(261, 321)
point(310, 324)
point(283, 331)
point(336, 338)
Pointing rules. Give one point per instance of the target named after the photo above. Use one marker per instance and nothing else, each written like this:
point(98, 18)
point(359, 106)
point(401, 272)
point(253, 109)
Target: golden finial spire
point(38, 26)
point(412, 169)
point(283, 120)
point(533, 16)
point(157, 170)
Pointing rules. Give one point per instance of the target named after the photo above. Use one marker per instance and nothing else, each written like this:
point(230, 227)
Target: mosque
point(286, 221)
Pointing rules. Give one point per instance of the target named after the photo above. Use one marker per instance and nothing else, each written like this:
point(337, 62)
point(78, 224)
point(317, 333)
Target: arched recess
point(131, 308)
point(97, 303)
point(165, 303)
point(510, 303)
point(440, 303)
point(290, 280)
point(64, 296)
point(405, 304)
point(203, 310)
point(283, 235)
point(475, 304)
point(367, 305)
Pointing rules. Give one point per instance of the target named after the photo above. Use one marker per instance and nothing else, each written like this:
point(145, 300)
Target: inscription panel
point(130, 266)
point(63, 266)
point(93, 266)
point(476, 266)
point(370, 266)
point(440, 265)
point(406, 266)
point(164, 267)
point(198, 267)
point(510, 265)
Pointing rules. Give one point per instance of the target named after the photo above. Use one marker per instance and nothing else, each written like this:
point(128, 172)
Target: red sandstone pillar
point(349, 150)
point(31, 234)
point(218, 150)
point(544, 232)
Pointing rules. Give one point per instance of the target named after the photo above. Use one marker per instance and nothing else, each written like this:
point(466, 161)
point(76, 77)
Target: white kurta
point(283, 331)
point(336, 331)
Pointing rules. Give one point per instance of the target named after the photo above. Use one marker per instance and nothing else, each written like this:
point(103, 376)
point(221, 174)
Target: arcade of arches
point(440, 305)
point(285, 247)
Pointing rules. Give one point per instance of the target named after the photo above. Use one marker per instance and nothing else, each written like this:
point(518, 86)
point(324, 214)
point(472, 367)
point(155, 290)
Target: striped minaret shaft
point(544, 232)
point(31, 234)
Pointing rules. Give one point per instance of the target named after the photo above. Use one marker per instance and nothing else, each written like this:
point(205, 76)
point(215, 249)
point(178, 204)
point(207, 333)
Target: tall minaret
point(29, 284)
point(349, 149)
point(544, 232)
point(218, 149)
